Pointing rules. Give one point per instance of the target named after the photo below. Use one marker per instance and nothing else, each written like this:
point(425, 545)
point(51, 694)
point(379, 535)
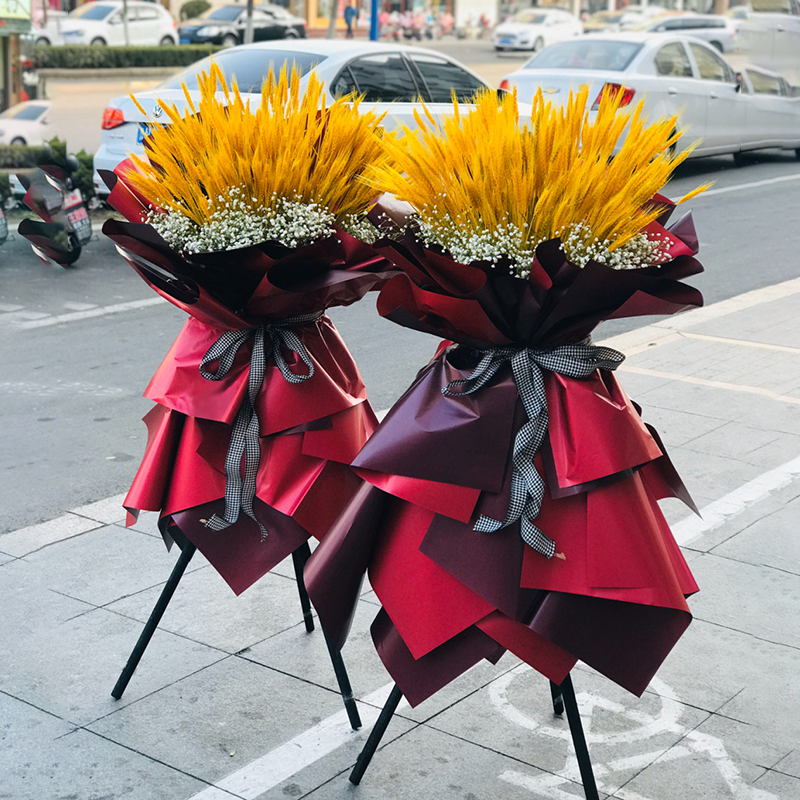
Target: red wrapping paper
point(614, 595)
point(309, 432)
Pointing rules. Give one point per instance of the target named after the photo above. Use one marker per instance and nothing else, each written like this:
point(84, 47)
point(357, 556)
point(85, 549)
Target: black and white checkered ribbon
point(268, 341)
point(577, 360)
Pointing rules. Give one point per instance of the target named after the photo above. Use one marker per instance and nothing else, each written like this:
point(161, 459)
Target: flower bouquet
point(253, 223)
point(510, 495)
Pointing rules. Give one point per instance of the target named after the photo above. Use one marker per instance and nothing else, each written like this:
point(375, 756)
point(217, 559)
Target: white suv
point(101, 22)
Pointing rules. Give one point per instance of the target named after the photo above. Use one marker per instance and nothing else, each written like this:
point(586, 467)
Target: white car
point(770, 36)
point(101, 22)
point(712, 28)
point(673, 75)
point(26, 123)
point(392, 78)
point(622, 19)
point(534, 29)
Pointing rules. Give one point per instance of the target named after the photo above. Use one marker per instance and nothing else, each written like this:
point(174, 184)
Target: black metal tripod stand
point(563, 698)
point(299, 558)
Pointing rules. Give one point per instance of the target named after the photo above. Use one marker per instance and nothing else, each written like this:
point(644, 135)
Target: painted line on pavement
point(734, 503)
point(288, 759)
point(741, 187)
point(103, 311)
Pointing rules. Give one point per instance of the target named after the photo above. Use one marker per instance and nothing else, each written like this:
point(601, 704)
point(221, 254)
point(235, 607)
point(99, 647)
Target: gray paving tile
point(42, 757)
point(221, 718)
point(704, 401)
point(789, 764)
point(773, 416)
point(780, 451)
point(70, 668)
point(104, 565)
point(205, 609)
point(426, 763)
point(5, 558)
point(708, 475)
point(514, 715)
point(676, 427)
point(763, 602)
point(771, 540)
point(733, 440)
point(778, 786)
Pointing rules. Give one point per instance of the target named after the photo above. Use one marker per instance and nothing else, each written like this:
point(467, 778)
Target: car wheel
point(167, 40)
point(42, 40)
point(538, 44)
point(718, 45)
point(229, 40)
point(290, 34)
point(99, 42)
point(17, 140)
point(740, 159)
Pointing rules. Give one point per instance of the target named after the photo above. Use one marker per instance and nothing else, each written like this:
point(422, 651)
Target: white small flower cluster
point(360, 228)
point(580, 247)
point(236, 224)
point(467, 245)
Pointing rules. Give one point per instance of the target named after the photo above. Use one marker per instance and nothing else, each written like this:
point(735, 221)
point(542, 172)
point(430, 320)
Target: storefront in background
point(15, 19)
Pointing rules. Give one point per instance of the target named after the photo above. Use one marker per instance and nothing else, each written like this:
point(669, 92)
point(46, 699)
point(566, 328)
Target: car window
point(92, 11)
point(529, 18)
point(441, 78)
point(384, 78)
point(24, 113)
point(146, 13)
point(710, 66)
point(261, 17)
point(765, 84)
point(588, 53)
point(344, 84)
point(671, 60)
point(249, 67)
point(224, 14)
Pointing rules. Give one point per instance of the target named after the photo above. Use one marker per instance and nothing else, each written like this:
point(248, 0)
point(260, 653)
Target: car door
point(677, 91)
point(725, 120)
point(772, 115)
point(147, 25)
point(387, 84)
point(265, 26)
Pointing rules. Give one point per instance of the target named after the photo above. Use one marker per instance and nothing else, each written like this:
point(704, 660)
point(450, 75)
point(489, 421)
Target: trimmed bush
point(86, 56)
point(18, 156)
point(5, 187)
point(194, 8)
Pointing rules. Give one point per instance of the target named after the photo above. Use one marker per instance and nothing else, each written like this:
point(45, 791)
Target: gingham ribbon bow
point(527, 488)
point(268, 340)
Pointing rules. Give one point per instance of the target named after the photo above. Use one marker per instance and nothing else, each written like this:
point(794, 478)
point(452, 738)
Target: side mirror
point(739, 80)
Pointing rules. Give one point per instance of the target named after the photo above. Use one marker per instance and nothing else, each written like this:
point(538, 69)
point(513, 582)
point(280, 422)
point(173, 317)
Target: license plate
point(81, 225)
point(143, 133)
point(73, 198)
point(506, 41)
point(184, 40)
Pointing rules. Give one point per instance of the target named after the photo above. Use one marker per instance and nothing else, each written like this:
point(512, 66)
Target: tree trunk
point(332, 23)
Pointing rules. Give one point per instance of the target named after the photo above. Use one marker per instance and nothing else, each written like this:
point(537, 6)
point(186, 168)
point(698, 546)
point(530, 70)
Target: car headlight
point(209, 30)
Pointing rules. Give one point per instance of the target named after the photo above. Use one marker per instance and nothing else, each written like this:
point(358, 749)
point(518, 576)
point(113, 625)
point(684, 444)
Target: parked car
point(717, 30)
point(533, 29)
point(101, 22)
point(226, 25)
point(47, 30)
point(673, 75)
point(26, 123)
point(771, 36)
point(625, 19)
point(392, 78)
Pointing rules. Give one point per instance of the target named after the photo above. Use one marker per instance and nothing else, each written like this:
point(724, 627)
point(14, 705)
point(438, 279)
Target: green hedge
point(5, 187)
point(86, 56)
point(54, 152)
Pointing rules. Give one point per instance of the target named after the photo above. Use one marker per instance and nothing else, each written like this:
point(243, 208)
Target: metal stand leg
point(299, 558)
point(155, 617)
point(578, 739)
point(558, 700)
point(376, 735)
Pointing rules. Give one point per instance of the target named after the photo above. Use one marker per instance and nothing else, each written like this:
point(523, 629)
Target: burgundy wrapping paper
point(614, 595)
point(309, 432)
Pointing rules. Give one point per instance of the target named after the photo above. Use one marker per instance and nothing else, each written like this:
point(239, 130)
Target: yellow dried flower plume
point(484, 170)
point(291, 146)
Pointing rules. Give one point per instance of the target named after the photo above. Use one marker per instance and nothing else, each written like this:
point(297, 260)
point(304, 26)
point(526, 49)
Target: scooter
point(66, 228)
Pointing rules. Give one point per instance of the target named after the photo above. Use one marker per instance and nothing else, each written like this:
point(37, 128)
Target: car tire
point(229, 40)
point(538, 45)
point(42, 40)
point(18, 140)
point(99, 41)
point(167, 40)
point(290, 34)
point(718, 45)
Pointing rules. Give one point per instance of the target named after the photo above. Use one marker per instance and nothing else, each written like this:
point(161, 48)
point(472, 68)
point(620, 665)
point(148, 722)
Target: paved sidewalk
point(235, 699)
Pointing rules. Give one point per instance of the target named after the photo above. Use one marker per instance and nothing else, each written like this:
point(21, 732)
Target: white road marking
point(720, 511)
point(742, 187)
point(102, 311)
point(278, 765)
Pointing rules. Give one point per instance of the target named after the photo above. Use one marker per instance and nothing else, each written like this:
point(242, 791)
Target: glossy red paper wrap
point(614, 594)
point(309, 432)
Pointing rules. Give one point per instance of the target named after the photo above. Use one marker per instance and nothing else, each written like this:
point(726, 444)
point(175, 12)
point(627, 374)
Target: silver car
point(673, 75)
point(391, 77)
